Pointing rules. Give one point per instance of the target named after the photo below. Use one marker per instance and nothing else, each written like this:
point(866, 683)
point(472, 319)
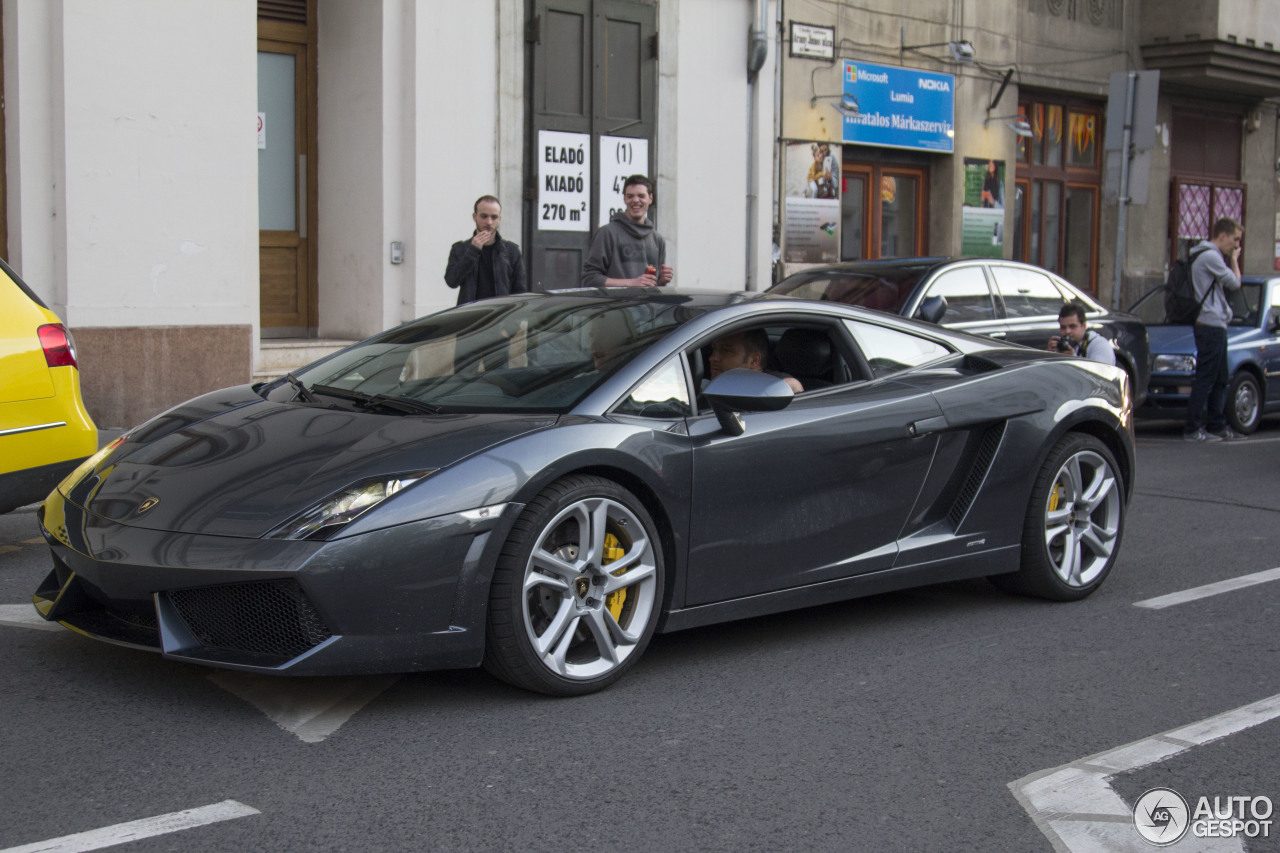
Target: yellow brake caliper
point(613, 551)
point(1055, 496)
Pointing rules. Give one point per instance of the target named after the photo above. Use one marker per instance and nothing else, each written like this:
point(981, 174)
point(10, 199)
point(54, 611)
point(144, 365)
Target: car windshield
point(528, 354)
point(883, 289)
point(1245, 305)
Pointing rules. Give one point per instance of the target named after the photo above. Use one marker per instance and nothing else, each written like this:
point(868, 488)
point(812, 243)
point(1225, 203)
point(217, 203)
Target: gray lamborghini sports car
point(539, 483)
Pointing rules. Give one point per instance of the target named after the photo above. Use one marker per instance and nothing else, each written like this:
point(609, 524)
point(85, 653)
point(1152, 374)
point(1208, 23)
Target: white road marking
point(1074, 806)
point(1207, 590)
point(311, 708)
point(25, 616)
point(123, 833)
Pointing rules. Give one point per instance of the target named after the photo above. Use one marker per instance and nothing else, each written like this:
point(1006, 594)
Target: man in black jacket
point(486, 265)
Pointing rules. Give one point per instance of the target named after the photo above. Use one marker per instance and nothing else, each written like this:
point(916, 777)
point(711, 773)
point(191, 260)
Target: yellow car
point(45, 431)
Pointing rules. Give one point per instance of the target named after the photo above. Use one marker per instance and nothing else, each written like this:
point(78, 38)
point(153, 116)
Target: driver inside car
point(747, 349)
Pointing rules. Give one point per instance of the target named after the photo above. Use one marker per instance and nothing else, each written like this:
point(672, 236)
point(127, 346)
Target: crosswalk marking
point(122, 833)
point(1077, 810)
point(1228, 585)
point(25, 616)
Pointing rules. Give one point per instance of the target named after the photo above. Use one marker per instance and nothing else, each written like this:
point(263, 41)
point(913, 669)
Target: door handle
point(927, 425)
point(997, 334)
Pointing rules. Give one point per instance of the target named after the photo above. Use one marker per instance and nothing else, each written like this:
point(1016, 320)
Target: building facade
point(995, 128)
point(179, 244)
point(176, 243)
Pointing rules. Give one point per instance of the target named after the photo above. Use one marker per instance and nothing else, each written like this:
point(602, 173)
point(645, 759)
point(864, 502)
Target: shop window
point(1057, 187)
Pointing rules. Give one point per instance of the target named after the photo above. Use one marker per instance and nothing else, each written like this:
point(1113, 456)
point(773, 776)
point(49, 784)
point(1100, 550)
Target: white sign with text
point(564, 176)
point(620, 157)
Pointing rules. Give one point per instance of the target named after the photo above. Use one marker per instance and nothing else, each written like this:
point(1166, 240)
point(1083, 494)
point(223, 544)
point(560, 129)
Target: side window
point(808, 357)
point(968, 297)
point(1027, 293)
point(663, 394)
point(889, 350)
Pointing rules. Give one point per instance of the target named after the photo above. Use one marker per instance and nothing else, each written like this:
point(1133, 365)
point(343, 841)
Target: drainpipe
point(757, 53)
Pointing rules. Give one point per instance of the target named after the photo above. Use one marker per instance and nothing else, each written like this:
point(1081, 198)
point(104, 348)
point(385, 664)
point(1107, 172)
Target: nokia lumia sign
point(900, 107)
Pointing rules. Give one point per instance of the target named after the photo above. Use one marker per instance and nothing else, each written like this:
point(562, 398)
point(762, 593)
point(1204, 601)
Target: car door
point(1271, 350)
point(817, 491)
point(971, 305)
point(1031, 304)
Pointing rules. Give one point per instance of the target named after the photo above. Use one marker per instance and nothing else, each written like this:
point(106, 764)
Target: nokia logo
point(934, 85)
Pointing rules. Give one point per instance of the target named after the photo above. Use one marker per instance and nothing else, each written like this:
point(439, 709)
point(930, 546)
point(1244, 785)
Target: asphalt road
point(949, 718)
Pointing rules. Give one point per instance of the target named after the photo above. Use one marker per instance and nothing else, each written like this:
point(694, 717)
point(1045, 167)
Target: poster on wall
point(620, 158)
point(812, 192)
point(564, 174)
point(982, 215)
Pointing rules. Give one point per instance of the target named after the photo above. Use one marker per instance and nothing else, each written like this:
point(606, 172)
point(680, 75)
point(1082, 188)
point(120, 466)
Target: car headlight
point(322, 520)
point(1173, 364)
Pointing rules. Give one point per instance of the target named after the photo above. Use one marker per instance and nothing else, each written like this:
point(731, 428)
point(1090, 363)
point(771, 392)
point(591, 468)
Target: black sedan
point(538, 483)
point(1006, 300)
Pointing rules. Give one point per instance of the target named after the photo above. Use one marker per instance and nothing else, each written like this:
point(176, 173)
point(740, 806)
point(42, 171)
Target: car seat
point(806, 354)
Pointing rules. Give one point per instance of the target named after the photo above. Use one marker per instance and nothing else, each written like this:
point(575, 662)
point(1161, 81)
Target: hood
point(1173, 340)
point(639, 230)
point(246, 470)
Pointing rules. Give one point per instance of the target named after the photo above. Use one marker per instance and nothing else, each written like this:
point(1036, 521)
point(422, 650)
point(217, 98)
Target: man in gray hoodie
point(627, 251)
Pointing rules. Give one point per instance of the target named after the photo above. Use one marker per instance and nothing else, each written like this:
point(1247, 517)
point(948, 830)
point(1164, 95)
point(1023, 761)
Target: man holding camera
point(1075, 338)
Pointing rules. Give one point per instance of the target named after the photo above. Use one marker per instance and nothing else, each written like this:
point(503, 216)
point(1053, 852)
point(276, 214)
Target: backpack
point(1181, 307)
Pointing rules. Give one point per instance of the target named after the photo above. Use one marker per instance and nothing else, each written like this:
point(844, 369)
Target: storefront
point(858, 163)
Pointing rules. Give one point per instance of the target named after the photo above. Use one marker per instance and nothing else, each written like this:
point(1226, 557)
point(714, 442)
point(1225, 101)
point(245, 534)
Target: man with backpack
point(1215, 268)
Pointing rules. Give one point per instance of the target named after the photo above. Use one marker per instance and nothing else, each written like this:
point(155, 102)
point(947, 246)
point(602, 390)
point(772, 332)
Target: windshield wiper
point(300, 388)
point(404, 405)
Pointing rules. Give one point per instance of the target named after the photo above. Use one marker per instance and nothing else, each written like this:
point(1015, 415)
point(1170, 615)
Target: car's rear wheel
point(576, 591)
point(1074, 522)
point(1244, 403)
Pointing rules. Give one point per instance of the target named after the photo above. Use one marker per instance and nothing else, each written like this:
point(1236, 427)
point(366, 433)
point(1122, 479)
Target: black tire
point(561, 621)
point(1244, 402)
point(1074, 523)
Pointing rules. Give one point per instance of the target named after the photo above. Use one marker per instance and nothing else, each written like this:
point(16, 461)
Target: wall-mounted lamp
point(846, 105)
point(1019, 125)
point(961, 51)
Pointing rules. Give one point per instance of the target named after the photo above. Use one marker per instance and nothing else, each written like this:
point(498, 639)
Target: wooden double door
point(883, 211)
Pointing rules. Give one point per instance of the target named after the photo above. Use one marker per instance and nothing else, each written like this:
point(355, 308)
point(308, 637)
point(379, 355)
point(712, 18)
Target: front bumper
point(410, 597)
point(1167, 396)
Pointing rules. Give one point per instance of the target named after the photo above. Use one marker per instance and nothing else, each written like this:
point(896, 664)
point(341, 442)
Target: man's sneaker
point(1227, 434)
point(1201, 435)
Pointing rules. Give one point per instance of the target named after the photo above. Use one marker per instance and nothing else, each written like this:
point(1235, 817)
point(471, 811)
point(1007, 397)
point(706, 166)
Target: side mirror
point(932, 309)
point(743, 390)
point(1273, 325)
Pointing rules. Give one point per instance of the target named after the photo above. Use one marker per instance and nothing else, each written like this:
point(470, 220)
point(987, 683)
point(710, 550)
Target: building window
point(1205, 159)
point(1057, 186)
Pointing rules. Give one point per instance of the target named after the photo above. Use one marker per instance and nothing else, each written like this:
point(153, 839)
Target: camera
point(1064, 344)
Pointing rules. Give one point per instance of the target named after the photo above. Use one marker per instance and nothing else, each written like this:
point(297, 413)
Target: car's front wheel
point(1244, 403)
point(1074, 522)
point(576, 591)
